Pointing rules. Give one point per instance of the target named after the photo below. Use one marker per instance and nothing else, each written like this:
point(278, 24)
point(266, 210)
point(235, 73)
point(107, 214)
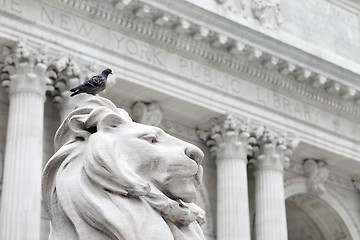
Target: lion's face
point(109, 173)
point(168, 163)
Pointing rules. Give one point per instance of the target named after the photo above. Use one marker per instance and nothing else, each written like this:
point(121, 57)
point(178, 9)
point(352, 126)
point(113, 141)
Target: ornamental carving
point(232, 6)
point(24, 69)
point(147, 113)
point(228, 137)
point(64, 74)
point(317, 174)
point(267, 12)
point(272, 149)
point(162, 18)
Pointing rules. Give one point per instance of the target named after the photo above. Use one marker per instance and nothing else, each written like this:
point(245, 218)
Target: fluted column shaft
point(232, 197)
point(270, 212)
point(229, 140)
point(21, 197)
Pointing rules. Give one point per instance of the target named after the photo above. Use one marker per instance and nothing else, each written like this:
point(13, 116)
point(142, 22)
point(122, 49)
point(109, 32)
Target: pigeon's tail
point(76, 90)
point(75, 93)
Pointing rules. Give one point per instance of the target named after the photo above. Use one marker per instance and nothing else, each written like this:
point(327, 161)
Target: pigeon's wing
point(94, 81)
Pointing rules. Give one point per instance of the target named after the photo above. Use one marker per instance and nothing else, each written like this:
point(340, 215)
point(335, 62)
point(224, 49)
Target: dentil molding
point(314, 81)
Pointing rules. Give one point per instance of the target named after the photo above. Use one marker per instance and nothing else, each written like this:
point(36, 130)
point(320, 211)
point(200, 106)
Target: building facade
point(268, 89)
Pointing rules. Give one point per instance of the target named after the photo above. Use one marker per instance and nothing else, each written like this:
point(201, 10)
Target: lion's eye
point(150, 138)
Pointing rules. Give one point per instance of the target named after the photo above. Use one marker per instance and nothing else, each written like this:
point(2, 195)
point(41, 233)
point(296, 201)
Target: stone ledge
point(233, 55)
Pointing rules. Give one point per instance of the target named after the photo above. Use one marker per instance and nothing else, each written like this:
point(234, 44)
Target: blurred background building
point(268, 89)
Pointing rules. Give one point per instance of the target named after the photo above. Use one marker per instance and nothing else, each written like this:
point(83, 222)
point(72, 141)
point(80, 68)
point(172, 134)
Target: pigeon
point(93, 85)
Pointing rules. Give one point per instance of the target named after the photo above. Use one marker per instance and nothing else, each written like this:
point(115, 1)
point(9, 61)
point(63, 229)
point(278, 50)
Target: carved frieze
point(222, 49)
point(224, 52)
point(267, 12)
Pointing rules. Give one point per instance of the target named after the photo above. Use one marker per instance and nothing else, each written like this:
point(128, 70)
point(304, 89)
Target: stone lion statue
point(112, 178)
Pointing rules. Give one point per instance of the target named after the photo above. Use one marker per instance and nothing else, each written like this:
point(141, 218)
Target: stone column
point(25, 76)
point(270, 158)
point(229, 140)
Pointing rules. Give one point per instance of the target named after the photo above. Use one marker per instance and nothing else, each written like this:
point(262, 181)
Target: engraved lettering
point(260, 97)
point(83, 28)
point(64, 21)
point(131, 47)
point(297, 110)
point(307, 115)
point(195, 70)
point(316, 115)
point(49, 16)
point(207, 75)
point(119, 40)
point(183, 65)
point(12, 5)
point(144, 53)
point(276, 100)
point(15, 6)
point(286, 105)
point(156, 53)
point(220, 80)
point(235, 85)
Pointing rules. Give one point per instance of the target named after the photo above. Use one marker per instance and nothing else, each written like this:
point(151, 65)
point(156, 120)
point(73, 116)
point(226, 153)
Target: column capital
point(24, 69)
point(272, 149)
point(317, 173)
point(64, 74)
point(228, 137)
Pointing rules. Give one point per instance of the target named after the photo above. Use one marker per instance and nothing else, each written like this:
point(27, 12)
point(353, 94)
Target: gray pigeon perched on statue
point(93, 85)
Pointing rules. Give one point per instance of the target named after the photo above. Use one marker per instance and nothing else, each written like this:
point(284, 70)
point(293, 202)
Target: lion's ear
point(72, 127)
point(102, 117)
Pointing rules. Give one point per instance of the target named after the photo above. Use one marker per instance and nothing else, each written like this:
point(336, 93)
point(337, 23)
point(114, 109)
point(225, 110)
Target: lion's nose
point(194, 153)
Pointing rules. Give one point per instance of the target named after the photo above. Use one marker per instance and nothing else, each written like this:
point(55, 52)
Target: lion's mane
point(85, 189)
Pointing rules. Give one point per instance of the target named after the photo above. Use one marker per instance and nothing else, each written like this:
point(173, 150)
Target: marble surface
point(113, 178)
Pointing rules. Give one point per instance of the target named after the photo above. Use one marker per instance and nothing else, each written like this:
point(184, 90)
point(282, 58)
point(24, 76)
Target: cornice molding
point(252, 58)
point(177, 33)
